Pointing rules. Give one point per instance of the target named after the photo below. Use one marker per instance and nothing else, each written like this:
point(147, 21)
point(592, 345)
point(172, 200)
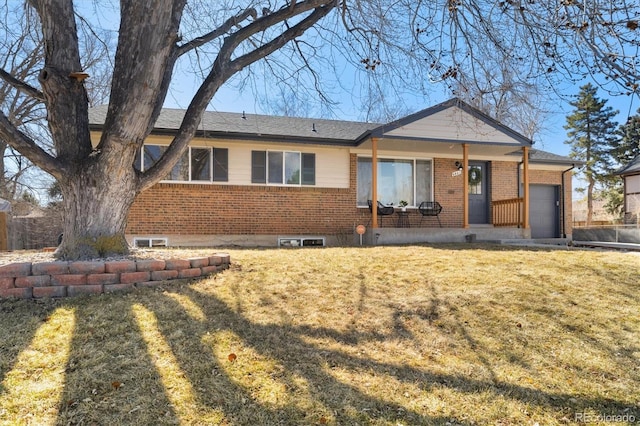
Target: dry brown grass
point(382, 336)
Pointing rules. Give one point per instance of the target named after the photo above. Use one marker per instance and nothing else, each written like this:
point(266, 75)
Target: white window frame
point(164, 242)
point(284, 167)
point(190, 165)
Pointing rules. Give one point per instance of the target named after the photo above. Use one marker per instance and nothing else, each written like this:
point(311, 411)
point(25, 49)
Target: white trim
point(284, 167)
point(164, 242)
point(299, 241)
point(210, 148)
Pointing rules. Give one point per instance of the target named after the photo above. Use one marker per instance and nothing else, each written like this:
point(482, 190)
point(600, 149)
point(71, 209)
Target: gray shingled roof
point(232, 124)
point(631, 168)
point(269, 127)
point(539, 156)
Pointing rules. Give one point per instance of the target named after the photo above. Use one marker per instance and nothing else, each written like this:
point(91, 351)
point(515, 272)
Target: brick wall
point(448, 191)
point(66, 279)
point(233, 209)
point(504, 180)
point(206, 209)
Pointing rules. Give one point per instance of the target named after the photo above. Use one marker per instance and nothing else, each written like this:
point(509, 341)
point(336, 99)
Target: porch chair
point(430, 208)
point(382, 210)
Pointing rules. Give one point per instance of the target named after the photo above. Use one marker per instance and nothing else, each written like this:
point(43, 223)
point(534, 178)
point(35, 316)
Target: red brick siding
point(201, 209)
point(504, 180)
point(218, 209)
point(448, 191)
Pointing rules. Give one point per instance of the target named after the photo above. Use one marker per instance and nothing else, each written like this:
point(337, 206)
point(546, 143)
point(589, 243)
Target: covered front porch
point(474, 167)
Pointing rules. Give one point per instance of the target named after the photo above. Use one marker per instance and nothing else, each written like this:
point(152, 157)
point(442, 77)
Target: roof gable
point(452, 121)
point(632, 168)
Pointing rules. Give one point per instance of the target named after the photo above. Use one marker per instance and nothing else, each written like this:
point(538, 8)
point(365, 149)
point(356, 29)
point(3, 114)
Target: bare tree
point(21, 57)
point(401, 43)
point(497, 89)
point(20, 54)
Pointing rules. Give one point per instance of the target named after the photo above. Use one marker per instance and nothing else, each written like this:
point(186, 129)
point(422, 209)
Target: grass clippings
point(452, 334)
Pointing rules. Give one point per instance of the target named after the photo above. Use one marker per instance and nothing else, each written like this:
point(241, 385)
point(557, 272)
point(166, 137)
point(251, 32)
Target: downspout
point(562, 203)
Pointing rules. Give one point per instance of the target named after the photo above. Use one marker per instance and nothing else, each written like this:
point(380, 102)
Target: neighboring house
point(256, 180)
point(631, 178)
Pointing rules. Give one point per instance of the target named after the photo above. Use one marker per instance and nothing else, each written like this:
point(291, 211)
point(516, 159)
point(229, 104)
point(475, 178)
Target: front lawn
point(450, 334)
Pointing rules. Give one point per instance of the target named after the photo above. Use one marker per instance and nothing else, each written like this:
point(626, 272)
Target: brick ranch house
point(255, 180)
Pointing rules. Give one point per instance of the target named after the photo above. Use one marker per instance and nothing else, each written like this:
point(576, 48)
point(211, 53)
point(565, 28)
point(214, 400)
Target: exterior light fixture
point(458, 165)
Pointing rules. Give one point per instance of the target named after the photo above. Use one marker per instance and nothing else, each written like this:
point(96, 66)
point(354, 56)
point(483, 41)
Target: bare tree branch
point(224, 67)
point(29, 148)
point(21, 85)
point(218, 32)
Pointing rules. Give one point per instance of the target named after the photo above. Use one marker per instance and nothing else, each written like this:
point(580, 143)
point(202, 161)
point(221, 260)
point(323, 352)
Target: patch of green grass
point(450, 334)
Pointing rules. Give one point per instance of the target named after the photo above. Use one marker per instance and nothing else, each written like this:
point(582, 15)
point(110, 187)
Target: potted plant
point(403, 205)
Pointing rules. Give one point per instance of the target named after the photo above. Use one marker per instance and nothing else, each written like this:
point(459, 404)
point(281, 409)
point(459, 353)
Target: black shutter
point(220, 165)
point(258, 166)
point(308, 169)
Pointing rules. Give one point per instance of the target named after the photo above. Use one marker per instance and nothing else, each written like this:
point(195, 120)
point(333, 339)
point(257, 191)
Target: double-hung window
point(409, 180)
point(283, 168)
point(197, 164)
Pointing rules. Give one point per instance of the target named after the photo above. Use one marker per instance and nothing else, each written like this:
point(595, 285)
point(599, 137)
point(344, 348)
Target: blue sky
point(229, 99)
point(349, 102)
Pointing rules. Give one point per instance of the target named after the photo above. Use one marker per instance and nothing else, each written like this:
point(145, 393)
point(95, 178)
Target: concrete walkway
point(605, 244)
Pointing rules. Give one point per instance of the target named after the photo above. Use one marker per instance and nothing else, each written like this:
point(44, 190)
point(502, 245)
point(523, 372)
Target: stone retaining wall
point(66, 279)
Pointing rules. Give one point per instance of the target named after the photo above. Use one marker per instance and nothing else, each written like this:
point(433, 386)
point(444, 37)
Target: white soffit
point(452, 124)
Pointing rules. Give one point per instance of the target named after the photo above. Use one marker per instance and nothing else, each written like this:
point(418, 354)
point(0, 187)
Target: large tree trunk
point(98, 182)
point(97, 199)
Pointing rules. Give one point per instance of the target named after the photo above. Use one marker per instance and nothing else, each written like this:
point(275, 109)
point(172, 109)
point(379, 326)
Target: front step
point(537, 241)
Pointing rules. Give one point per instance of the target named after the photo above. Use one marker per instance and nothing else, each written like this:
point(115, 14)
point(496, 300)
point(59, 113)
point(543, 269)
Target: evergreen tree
point(591, 132)
point(625, 149)
point(628, 145)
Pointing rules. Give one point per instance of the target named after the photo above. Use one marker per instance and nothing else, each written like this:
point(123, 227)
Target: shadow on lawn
point(287, 345)
point(19, 320)
point(103, 338)
point(92, 394)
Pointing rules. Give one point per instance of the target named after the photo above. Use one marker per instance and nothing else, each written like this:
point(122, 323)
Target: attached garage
point(544, 211)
